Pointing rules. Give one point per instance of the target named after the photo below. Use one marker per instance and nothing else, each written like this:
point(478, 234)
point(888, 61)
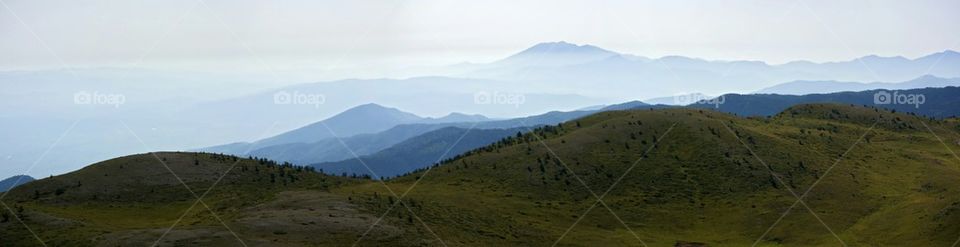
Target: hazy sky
point(368, 37)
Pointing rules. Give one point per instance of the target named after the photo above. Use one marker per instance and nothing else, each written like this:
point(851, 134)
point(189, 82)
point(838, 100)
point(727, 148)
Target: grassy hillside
point(898, 186)
point(670, 176)
point(133, 200)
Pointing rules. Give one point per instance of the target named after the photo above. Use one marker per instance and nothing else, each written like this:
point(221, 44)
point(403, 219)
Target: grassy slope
point(137, 192)
point(898, 186)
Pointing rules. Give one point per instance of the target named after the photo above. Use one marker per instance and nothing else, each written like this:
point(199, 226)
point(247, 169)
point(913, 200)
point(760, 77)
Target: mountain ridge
point(937, 102)
point(418, 152)
point(674, 74)
point(368, 118)
point(821, 87)
point(14, 181)
point(331, 149)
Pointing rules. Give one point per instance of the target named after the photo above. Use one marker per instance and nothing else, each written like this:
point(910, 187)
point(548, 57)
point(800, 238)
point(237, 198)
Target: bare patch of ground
point(310, 218)
point(294, 218)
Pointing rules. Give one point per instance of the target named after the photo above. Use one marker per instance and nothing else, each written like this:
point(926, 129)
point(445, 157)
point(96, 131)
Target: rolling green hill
point(132, 200)
point(867, 177)
point(897, 186)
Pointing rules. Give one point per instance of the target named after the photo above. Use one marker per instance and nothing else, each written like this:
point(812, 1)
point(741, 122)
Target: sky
point(363, 39)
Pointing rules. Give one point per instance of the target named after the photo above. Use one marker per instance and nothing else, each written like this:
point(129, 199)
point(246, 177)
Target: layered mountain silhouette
point(418, 152)
point(14, 181)
point(556, 54)
point(314, 143)
point(363, 119)
point(567, 77)
point(929, 102)
point(338, 155)
point(594, 70)
point(821, 87)
point(665, 176)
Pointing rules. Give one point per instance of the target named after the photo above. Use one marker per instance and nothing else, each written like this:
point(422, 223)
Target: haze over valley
point(493, 123)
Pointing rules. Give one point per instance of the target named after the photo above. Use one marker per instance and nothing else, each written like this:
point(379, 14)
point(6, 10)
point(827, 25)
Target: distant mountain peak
point(375, 110)
point(929, 77)
point(564, 47)
point(371, 106)
point(14, 181)
point(877, 57)
point(457, 114)
point(361, 119)
point(555, 43)
point(559, 53)
point(948, 52)
point(625, 106)
point(942, 54)
point(461, 117)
